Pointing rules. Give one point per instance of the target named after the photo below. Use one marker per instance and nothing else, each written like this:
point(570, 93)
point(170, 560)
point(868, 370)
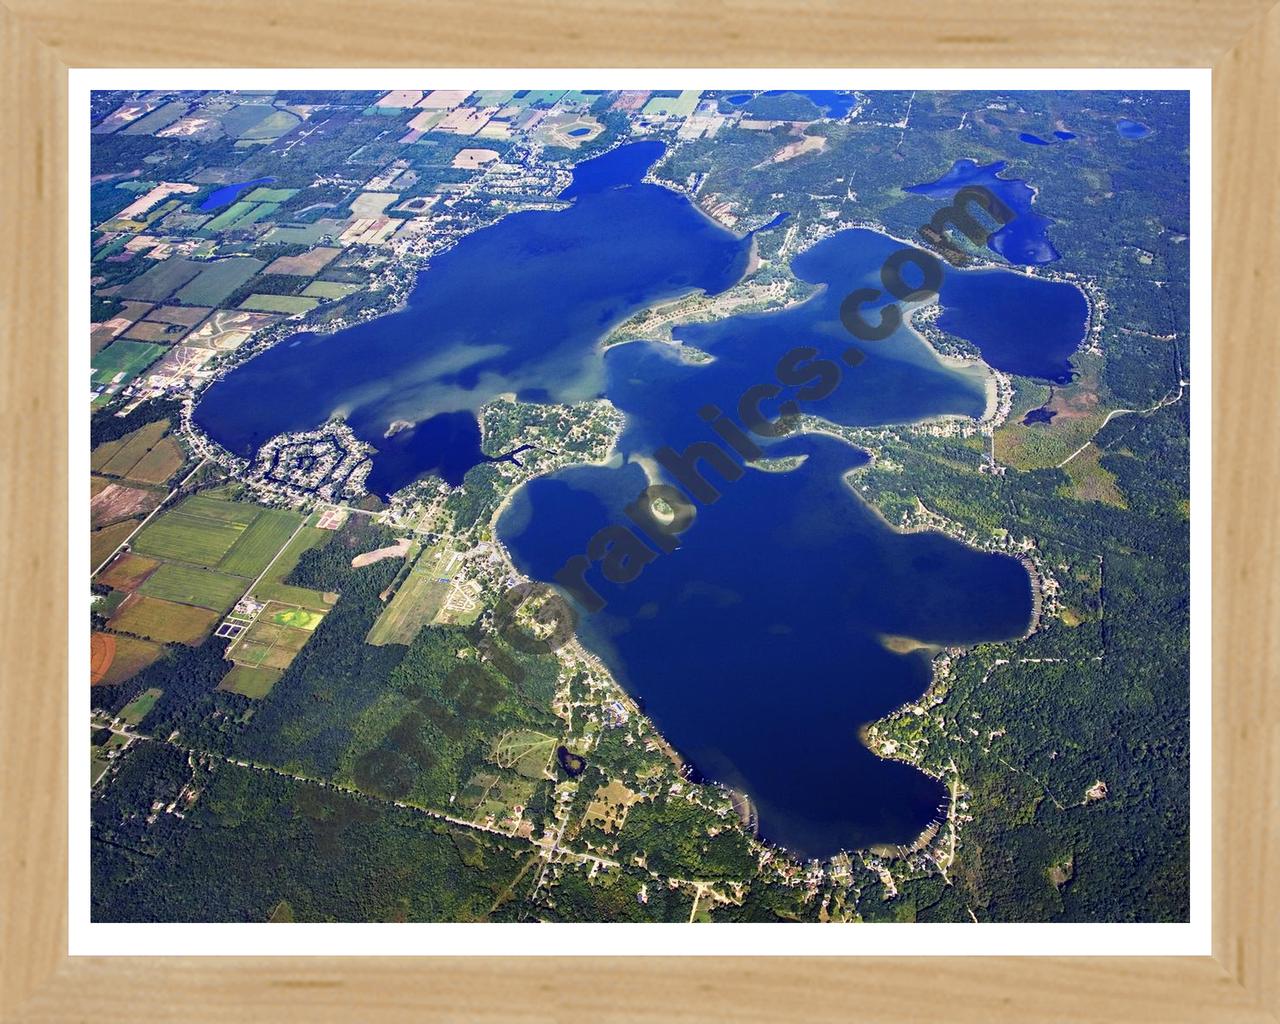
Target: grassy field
point(114, 659)
point(159, 464)
point(329, 289)
point(121, 455)
point(272, 586)
point(183, 538)
point(200, 531)
point(220, 509)
point(103, 542)
point(136, 710)
point(219, 278)
point(414, 605)
point(162, 280)
point(526, 751)
point(275, 637)
point(295, 618)
point(129, 358)
point(227, 216)
point(164, 621)
point(278, 304)
point(127, 571)
point(250, 681)
point(271, 195)
point(260, 542)
point(305, 264)
point(189, 585)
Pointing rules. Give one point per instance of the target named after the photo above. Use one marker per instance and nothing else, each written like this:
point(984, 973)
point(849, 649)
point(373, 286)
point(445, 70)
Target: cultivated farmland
point(250, 681)
point(260, 542)
point(188, 585)
point(125, 360)
point(127, 571)
point(114, 659)
point(163, 621)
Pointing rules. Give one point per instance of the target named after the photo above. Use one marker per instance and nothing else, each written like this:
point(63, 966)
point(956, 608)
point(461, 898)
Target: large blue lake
point(757, 647)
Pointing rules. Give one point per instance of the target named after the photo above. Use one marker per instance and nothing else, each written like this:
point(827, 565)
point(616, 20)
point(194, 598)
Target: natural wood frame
point(40, 39)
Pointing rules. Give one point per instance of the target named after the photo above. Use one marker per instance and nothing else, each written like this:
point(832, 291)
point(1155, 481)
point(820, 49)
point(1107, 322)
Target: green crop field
point(189, 585)
point(250, 680)
point(119, 456)
point(329, 289)
point(220, 509)
point(272, 586)
point(296, 618)
point(415, 604)
point(124, 357)
point(178, 537)
point(279, 303)
point(234, 537)
point(136, 710)
point(260, 542)
point(228, 216)
point(218, 278)
point(164, 621)
point(271, 195)
point(160, 281)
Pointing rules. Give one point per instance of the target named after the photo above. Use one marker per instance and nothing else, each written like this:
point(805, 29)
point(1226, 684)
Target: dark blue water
point(737, 99)
point(792, 562)
point(578, 131)
point(626, 165)
point(1025, 239)
point(833, 103)
point(445, 445)
point(1132, 129)
point(1035, 140)
point(1023, 325)
point(1039, 416)
point(516, 307)
point(778, 219)
point(230, 193)
point(758, 644)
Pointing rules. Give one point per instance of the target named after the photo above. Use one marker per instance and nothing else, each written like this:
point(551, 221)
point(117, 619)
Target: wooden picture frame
point(42, 39)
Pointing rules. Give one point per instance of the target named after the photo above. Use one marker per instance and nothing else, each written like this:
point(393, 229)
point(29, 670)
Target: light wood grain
point(40, 38)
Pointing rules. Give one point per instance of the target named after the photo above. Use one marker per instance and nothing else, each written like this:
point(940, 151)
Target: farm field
point(250, 681)
point(136, 710)
point(113, 502)
point(201, 531)
point(159, 464)
point(163, 621)
point(103, 542)
point(279, 303)
point(162, 280)
point(272, 586)
point(260, 542)
point(275, 637)
point(305, 264)
point(189, 585)
point(148, 330)
point(123, 359)
point(417, 602)
point(329, 290)
point(526, 751)
point(127, 571)
point(115, 659)
point(218, 279)
point(117, 457)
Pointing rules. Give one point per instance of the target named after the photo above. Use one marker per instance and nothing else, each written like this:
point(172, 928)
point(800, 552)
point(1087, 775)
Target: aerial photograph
point(699, 506)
